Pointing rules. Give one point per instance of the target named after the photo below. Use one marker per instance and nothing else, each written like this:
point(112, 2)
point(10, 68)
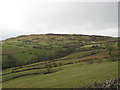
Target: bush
point(90, 62)
point(56, 64)
point(48, 66)
point(60, 64)
point(98, 60)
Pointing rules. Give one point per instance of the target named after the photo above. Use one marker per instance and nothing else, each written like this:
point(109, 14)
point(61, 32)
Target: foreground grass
point(9, 76)
point(74, 75)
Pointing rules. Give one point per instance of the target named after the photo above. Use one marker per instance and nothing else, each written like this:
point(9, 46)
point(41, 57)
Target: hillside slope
point(57, 59)
point(29, 49)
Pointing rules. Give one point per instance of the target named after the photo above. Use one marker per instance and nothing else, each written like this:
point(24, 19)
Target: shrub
point(48, 66)
point(90, 62)
point(55, 64)
point(60, 64)
point(98, 60)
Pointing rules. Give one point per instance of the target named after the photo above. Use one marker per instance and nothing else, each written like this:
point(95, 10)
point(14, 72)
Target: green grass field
point(78, 60)
point(74, 75)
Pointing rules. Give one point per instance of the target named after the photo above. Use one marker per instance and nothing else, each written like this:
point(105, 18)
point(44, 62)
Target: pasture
point(72, 76)
point(58, 61)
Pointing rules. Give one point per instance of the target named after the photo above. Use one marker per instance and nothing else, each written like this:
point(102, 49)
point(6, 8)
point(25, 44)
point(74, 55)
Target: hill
point(27, 49)
point(58, 55)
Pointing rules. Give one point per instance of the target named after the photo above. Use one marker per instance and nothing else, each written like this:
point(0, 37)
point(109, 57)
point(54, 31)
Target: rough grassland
point(74, 75)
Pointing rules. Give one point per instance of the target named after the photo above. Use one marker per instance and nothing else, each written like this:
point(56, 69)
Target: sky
point(24, 17)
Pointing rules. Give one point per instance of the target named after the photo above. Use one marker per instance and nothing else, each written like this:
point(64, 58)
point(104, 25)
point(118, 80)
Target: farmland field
point(58, 60)
point(72, 76)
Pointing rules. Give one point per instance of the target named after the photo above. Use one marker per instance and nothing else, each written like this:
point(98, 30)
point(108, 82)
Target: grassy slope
point(22, 50)
point(74, 58)
point(74, 75)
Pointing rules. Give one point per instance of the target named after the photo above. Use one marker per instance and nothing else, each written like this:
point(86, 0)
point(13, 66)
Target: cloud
point(35, 16)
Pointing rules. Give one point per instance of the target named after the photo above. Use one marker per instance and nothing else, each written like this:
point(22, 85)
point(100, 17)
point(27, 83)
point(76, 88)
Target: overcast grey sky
point(19, 17)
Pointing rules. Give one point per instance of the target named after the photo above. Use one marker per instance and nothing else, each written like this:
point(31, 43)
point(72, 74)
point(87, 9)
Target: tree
point(49, 67)
point(110, 48)
point(11, 61)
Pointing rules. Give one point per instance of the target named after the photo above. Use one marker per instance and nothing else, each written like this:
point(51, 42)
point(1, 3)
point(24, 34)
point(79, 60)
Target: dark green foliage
point(35, 48)
point(55, 53)
point(110, 48)
point(11, 61)
point(94, 38)
point(60, 64)
point(49, 67)
point(84, 49)
point(97, 47)
point(89, 62)
point(55, 64)
point(99, 61)
point(113, 57)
